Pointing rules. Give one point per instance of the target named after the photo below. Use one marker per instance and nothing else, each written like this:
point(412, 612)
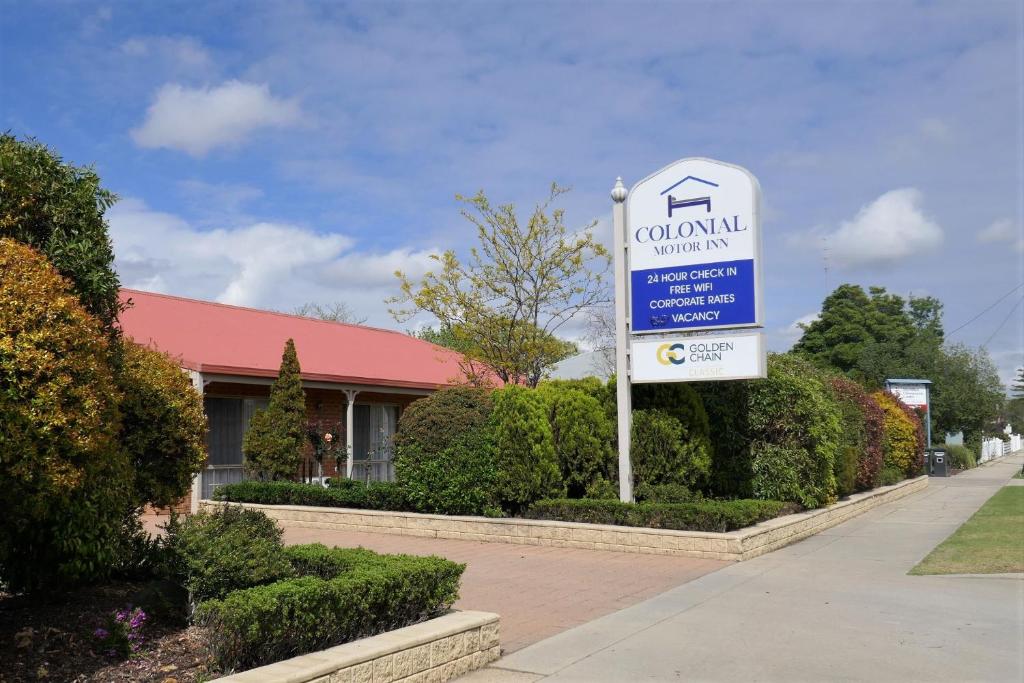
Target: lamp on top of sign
point(694, 248)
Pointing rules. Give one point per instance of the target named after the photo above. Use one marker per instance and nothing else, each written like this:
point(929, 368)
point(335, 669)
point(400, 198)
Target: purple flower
point(100, 633)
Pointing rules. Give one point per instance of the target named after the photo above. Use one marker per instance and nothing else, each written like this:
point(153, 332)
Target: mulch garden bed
point(52, 639)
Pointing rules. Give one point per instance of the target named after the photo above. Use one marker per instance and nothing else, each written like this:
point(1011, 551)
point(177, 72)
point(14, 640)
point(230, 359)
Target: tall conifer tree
point(276, 436)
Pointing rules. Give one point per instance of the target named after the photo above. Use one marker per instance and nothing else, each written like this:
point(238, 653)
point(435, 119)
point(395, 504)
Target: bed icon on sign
point(658, 320)
point(674, 203)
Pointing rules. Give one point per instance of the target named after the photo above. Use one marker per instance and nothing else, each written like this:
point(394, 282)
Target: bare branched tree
point(517, 288)
point(336, 312)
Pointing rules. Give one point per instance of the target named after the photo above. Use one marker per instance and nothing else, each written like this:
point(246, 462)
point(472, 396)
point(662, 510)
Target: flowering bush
point(66, 481)
point(121, 635)
point(903, 444)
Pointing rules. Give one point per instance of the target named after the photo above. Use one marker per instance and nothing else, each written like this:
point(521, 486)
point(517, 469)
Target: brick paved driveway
point(538, 591)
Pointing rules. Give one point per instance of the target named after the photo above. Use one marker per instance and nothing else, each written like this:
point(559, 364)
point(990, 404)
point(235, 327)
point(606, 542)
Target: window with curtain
point(228, 418)
point(373, 439)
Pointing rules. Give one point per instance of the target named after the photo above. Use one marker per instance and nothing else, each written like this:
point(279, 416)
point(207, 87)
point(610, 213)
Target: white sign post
point(687, 259)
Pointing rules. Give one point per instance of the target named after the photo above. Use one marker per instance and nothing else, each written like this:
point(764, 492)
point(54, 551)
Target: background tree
point(876, 336)
point(335, 312)
point(163, 426)
point(276, 436)
point(852, 321)
point(58, 208)
point(1018, 384)
point(518, 287)
point(600, 335)
point(66, 483)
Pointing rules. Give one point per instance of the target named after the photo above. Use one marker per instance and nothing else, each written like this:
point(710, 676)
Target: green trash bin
point(938, 463)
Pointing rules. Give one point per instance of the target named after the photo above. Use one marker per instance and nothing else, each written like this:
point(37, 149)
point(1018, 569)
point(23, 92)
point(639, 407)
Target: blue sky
point(271, 153)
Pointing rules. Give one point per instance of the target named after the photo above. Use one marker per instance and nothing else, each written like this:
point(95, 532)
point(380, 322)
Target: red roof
point(232, 340)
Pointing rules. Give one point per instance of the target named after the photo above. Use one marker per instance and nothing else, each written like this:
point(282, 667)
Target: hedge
point(708, 515)
point(350, 594)
point(342, 494)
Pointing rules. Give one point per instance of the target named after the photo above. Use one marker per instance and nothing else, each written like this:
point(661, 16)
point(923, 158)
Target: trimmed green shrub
point(591, 386)
point(707, 515)
point(524, 451)
point(794, 409)
point(960, 457)
point(316, 559)
point(661, 452)
point(163, 426)
point(344, 493)
point(274, 443)
point(229, 549)
point(791, 410)
point(368, 594)
point(890, 475)
point(782, 473)
point(666, 493)
point(681, 402)
point(728, 409)
point(66, 483)
point(582, 437)
point(602, 489)
point(444, 453)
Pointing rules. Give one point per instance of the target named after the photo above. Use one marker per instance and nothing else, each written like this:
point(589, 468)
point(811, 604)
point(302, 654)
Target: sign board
point(913, 395)
point(700, 358)
point(694, 248)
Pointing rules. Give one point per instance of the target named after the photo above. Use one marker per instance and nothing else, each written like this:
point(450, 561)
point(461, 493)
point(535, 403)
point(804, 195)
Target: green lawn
point(990, 542)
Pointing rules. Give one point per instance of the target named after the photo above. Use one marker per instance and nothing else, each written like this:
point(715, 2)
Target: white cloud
point(1000, 231)
point(196, 120)
point(261, 264)
point(183, 52)
point(792, 332)
point(886, 231)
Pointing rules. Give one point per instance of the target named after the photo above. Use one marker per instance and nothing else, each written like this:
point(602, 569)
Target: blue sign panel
point(696, 296)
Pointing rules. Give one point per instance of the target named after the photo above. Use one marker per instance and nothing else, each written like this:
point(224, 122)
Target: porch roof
point(220, 339)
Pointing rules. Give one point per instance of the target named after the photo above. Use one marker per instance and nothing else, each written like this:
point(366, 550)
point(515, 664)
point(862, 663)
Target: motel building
point(356, 378)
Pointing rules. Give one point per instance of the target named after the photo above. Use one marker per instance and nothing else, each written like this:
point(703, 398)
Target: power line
point(950, 334)
point(991, 336)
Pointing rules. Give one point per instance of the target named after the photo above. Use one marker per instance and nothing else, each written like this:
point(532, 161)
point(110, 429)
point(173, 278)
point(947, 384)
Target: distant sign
point(694, 245)
point(695, 359)
point(913, 395)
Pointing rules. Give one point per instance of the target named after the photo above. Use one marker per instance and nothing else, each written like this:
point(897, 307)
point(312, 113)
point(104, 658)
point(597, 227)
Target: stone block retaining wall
point(743, 544)
point(434, 651)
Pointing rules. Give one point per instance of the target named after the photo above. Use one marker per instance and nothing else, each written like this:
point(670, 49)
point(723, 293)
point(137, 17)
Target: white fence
point(997, 448)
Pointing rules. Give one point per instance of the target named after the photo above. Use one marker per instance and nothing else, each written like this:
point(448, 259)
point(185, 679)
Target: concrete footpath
point(836, 606)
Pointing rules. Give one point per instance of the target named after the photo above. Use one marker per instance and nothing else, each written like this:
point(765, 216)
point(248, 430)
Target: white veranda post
point(623, 398)
point(350, 430)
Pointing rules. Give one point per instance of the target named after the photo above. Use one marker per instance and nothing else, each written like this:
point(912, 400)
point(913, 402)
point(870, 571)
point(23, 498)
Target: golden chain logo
point(671, 354)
